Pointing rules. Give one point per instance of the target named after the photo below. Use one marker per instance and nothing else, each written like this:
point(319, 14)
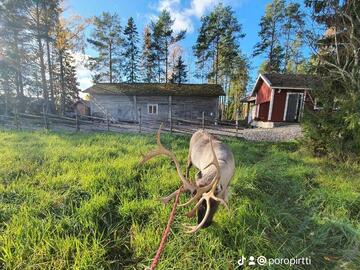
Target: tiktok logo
point(241, 261)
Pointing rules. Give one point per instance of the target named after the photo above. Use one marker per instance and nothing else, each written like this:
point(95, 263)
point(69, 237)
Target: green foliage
point(219, 58)
point(270, 33)
point(148, 57)
point(82, 201)
point(281, 37)
point(238, 84)
point(131, 51)
point(217, 44)
point(163, 37)
point(36, 49)
point(107, 40)
point(179, 73)
point(293, 29)
point(335, 128)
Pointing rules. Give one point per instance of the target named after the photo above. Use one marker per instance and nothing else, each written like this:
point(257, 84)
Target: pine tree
point(179, 73)
point(39, 31)
point(51, 11)
point(217, 43)
point(238, 83)
point(163, 38)
point(270, 34)
point(29, 45)
point(148, 57)
point(65, 67)
point(14, 40)
point(131, 52)
point(107, 40)
point(158, 48)
point(201, 52)
point(293, 31)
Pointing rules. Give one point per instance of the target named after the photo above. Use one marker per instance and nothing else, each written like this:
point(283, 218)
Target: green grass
point(81, 201)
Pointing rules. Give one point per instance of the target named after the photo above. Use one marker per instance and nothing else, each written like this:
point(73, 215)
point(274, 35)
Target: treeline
point(282, 37)
point(38, 46)
point(121, 57)
point(37, 69)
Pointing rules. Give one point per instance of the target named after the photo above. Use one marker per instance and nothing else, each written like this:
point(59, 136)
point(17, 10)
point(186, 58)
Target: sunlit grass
point(81, 201)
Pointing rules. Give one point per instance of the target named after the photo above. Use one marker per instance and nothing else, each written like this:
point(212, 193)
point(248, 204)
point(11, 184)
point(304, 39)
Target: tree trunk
point(62, 80)
point(166, 61)
point(52, 97)
point(18, 76)
point(42, 68)
point(217, 62)
point(110, 62)
point(159, 69)
point(41, 57)
point(271, 52)
point(287, 47)
point(7, 91)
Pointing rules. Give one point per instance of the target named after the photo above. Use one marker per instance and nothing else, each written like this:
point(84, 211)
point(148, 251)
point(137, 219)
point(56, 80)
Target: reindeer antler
point(161, 150)
point(205, 193)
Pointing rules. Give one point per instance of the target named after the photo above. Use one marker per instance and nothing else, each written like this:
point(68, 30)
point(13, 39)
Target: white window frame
point(316, 105)
point(152, 106)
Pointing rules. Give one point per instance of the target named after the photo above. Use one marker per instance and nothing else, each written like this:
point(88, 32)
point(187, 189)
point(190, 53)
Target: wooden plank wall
point(125, 108)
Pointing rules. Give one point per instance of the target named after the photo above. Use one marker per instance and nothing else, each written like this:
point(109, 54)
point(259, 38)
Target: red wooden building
point(280, 98)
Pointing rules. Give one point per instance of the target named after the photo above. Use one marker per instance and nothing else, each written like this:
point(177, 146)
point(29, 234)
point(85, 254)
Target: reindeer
point(216, 166)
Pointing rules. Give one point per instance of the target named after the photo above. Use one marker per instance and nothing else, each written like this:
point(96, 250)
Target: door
point(294, 104)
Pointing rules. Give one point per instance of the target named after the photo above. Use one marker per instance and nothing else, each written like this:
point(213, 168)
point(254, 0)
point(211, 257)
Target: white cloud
point(183, 15)
point(199, 7)
point(182, 22)
point(168, 4)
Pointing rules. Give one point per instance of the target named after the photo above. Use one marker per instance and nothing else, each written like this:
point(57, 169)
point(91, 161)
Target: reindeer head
point(202, 193)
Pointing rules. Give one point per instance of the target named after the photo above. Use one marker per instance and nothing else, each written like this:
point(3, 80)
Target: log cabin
point(155, 101)
point(279, 98)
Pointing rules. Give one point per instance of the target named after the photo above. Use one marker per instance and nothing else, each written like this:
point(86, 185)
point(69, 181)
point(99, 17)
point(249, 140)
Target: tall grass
point(81, 201)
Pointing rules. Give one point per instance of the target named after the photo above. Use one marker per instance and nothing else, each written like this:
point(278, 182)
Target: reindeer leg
point(189, 164)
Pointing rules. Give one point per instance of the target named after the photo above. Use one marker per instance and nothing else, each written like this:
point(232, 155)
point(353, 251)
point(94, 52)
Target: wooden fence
point(26, 121)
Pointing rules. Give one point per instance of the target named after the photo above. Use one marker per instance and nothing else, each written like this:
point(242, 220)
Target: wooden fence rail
point(92, 123)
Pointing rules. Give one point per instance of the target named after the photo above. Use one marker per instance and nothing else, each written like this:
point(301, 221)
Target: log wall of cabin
point(125, 108)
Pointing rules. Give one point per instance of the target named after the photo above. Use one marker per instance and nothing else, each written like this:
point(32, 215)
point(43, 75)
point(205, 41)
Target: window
point(152, 109)
point(317, 104)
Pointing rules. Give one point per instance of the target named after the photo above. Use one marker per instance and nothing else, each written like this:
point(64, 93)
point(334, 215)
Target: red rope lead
point(166, 232)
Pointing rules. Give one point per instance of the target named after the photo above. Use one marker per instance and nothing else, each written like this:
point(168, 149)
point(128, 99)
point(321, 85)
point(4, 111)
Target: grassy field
point(81, 201)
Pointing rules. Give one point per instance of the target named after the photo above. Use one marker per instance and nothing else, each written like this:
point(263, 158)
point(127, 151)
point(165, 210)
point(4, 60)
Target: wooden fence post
point(77, 123)
point(17, 124)
point(237, 121)
point(107, 122)
point(203, 120)
point(46, 124)
point(171, 129)
point(139, 110)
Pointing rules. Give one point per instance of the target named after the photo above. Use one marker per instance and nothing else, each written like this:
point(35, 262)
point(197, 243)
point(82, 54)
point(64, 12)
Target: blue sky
point(187, 14)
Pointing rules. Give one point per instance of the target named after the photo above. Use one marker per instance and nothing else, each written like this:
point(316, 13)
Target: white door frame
point(297, 103)
point(271, 104)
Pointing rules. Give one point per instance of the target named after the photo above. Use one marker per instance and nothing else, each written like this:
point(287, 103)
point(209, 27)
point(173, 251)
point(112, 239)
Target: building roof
point(248, 99)
point(300, 81)
point(156, 89)
point(288, 81)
